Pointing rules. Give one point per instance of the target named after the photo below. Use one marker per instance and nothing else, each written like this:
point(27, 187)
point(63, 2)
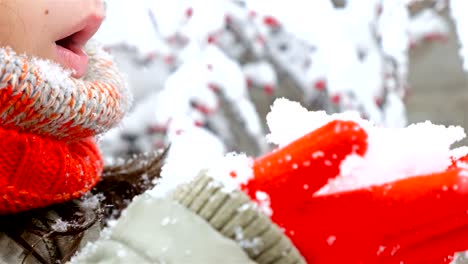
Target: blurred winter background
point(205, 72)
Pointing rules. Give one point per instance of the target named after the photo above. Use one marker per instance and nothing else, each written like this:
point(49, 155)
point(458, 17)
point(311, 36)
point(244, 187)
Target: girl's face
point(51, 29)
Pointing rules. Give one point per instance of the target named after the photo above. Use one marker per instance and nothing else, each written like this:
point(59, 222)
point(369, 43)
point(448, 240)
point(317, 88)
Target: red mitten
point(420, 219)
point(286, 174)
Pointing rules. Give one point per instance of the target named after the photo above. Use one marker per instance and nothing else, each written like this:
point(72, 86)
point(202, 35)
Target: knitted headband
point(47, 120)
point(40, 98)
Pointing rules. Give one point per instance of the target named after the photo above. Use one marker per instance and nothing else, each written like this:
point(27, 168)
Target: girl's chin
point(74, 59)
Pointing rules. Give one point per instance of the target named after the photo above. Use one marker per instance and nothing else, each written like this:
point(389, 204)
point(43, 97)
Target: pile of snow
point(261, 74)
point(195, 150)
point(232, 170)
point(427, 25)
point(393, 153)
point(289, 121)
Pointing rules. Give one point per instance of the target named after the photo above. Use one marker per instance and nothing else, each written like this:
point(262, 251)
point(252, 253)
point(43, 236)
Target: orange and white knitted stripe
point(47, 121)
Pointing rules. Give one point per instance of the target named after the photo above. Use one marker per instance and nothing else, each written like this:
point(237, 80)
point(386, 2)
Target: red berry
point(271, 21)
point(320, 85)
point(189, 12)
point(233, 174)
point(211, 39)
point(379, 101)
point(169, 59)
point(157, 129)
point(336, 98)
point(435, 37)
point(269, 89)
point(249, 82)
point(215, 88)
point(159, 144)
point(228, 19)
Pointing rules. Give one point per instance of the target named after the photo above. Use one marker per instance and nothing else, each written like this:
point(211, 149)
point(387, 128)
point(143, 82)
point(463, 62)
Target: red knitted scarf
point(47, 121)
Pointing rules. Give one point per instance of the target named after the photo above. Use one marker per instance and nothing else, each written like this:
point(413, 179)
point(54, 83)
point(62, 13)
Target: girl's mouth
point(69, 48)
point(72, 56)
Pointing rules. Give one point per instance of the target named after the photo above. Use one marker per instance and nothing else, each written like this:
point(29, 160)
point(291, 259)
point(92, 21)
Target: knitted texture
point(47, 120)
point(235, 216)
point(39, 98)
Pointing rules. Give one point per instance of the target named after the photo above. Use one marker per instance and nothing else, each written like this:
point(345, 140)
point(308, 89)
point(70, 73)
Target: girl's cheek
point(7, 25)
point(24, 28)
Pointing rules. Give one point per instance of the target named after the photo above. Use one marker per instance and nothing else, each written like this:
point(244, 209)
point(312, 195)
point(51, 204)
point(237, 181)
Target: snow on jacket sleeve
point(200, 222)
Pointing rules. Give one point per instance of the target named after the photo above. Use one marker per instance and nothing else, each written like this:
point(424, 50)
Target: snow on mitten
point(47, 121)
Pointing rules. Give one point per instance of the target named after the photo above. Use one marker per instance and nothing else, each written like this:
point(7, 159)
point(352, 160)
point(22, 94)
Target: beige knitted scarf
point(45, 100)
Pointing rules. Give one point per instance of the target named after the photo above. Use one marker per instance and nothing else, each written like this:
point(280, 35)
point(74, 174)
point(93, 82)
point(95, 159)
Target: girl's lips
point(69, 47)
point(73, 57)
